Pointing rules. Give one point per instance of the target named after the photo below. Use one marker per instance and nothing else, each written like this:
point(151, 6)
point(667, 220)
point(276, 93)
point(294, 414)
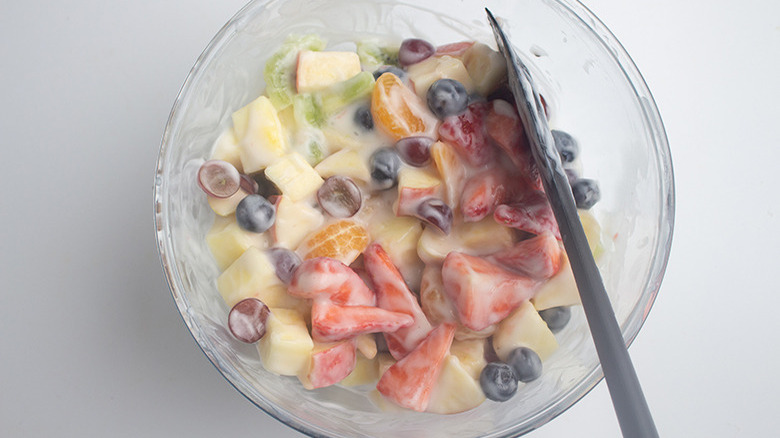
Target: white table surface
point(90, 342)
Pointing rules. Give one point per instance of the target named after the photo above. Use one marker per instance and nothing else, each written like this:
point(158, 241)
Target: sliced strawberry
point(409, 382)
point(532, 213)
point(394, 295)
point(328, 278)
point(466, 132)
point(538, 257)
point(482, 193)
point(455, 50)
point(483, 293)
point(331, 322)
point(330, 364)
point(506, 131)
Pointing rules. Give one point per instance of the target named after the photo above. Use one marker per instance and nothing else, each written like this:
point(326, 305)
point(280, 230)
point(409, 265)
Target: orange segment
point(343, 240)
point(398, 111)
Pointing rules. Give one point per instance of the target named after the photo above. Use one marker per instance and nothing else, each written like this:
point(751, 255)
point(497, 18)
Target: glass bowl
point(594, 91)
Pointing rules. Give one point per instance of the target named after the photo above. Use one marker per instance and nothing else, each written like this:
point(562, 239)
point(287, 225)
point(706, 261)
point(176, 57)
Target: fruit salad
point(380, 224)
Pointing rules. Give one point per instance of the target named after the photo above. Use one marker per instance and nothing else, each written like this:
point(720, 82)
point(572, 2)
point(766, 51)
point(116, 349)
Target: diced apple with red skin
point(330, 364)
point(531, 213)
point(455, 50)
point(331, 322)
point(328, 278)
point(538, 257)
point(414, 186)
point(394, 295)
point(482, 194)
point(483, 293)
point(466, 132)
point(409, 382)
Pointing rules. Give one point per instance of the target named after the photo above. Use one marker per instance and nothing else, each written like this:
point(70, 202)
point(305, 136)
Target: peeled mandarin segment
point(398, 111)
point(342, 240)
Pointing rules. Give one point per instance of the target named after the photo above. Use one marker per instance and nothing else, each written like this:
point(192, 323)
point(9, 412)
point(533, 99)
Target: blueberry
point(526, 364)
point(567, 146)
point(389, 69)
point(363, 118)
point(498, 381)
point(254, 213)
point(447, 97)
point(586, 193)
point(384, 165)
point(556, 317)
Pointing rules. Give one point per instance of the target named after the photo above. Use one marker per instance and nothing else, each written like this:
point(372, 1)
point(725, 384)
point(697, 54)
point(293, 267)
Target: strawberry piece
point(409, 381)
point(532, 213)
point(394, 295)
point(466, 132)
point(483, 293)
point(506, 131)
point(331, 364)
point(331, 322)
point(455, 50)
point(538, 257)
point(328, 278)
point(482, 193)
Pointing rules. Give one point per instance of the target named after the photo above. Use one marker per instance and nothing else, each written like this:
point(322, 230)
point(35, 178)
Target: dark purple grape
point(526, 364)
point(254, 213)
point(567, 146)
point(437, 213)
point(447, 97)
point(586, 193)
point(415, 151)
point(339, 196)
point(498, 381)
point(414, 50)
point(247, 319)
point(389, 69)
point(218, 178)
point(285, 263)
point(265, 187)
point(556, 317)
point(249, 185)
point(363, 118)
point(385, 164)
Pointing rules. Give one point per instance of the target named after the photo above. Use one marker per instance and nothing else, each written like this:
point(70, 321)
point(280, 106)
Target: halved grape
point(285, 263)
point(415, 151)
point(339, 196)
point(218, 178)
point(247, 319)
point(249, 185)
point(414, 50)
point(437, 213)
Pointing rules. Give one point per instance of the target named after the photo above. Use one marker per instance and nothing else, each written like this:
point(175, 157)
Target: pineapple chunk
point(471, 354)
point(226, 206)
point(346, 162)
point(262, 140)
point(592, 232)
point(473, 238)
point(486, 67)
point(524, 328)
point(366, 372)
point(294, 220)
point(286, 347)
point(426, 72)
point(560, 290)
point(227, 149)
point(455, 389)
point(227, 241)
point(253, 276)
point(319, 70)
point(294, 176)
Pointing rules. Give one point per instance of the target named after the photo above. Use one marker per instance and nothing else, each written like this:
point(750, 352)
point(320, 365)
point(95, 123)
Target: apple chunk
point(455, 390)
point(414, 186)
point(319, 70)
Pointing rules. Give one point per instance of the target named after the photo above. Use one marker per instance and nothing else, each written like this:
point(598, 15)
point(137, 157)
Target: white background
point(90, 340)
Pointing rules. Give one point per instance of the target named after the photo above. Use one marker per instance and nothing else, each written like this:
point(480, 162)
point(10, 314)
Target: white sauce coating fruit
point(397, 236)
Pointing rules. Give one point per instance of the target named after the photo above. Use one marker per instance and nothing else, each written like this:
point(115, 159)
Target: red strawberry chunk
point(331, 322)
point(482, 193)
point(409, 382)
point(328, 278)
point(331, 365)
point(538, 257)
point(466, 132)
point(506, 131)
point(454, 49)
point(483, 293)
point(532, 213)
point(394, 295)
